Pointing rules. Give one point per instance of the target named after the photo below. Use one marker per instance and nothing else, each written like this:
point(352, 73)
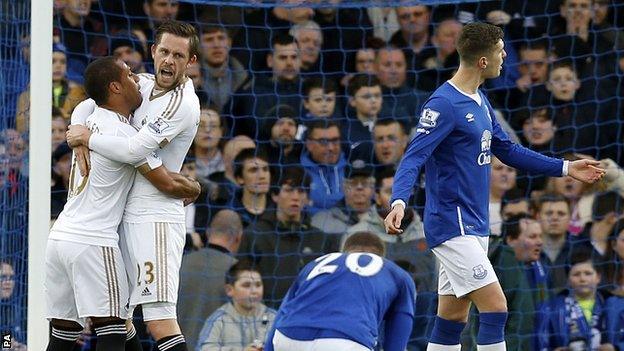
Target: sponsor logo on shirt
point(485, 158)
point(428, 118)
point(158, 126)
point(469, 117)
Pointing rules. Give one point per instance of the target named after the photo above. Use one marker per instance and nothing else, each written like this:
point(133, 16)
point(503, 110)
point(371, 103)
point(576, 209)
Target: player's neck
point(122, 111)
point(254, 202)
point(467, 79)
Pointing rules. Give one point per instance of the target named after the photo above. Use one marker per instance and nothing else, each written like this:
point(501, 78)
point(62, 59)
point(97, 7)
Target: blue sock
point(446, 332)
point(491, 328)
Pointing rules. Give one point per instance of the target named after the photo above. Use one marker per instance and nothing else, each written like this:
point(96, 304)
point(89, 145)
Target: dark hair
point(365, 241)
point(380, 175)
point(373, 43)
point(477, 39)
point(384, 122)
point(319, 123)
point(605, 203)
point(239, 267)
point(511, 226)
point(213, 28)
point(563, 63)
point(513, 196)
point(327, 85)
point(581, 255)
point(282, 39)
point(550, 197)
point(293, 176)
point(362, 80)
point(539, 44)
point(98, 75)
point(56, 112)
point(179, 29)
point(244, 155)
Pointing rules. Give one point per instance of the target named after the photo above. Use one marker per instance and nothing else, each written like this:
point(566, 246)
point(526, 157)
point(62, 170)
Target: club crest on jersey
point(158, 126)
point(485, 158)
point(428, 118)
point(478, 272)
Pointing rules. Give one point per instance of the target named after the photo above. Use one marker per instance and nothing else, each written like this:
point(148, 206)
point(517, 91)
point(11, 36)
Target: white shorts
point(83, 281)
point(464, 265)
point(153, 255)
point(283, 343)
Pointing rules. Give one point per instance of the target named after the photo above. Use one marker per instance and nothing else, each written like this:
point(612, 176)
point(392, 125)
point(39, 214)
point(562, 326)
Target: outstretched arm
point(172, 184)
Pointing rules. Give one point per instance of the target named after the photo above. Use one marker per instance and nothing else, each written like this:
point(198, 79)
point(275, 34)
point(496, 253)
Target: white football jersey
point(95, 203)
point(167, 120)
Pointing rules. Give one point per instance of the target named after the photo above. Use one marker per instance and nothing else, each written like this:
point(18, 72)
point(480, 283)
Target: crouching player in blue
point(339, 301)
point(455, 138)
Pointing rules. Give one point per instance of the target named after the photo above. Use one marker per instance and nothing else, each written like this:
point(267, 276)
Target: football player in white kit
point(85, 275)
point(153, 223)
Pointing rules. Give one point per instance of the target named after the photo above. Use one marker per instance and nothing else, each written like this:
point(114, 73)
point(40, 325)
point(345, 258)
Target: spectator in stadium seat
point(12, 307)
point(283, 240)
point(413, 37)
point(410, 246)
point(195, 213)
point(614, 272)
point(82, 34)
point(581, 197)
point(607, 208)
point(61, 165)
point(13, 191)
point(66, 94)
point(365, 99)
point(127, 47)
point(502, 179)
point(202, 273)
point(253, 41)
point(207, 144)
point(319, 101)
point(582, 317)
point(59, 127)
point(224, 74)
point(242, 323)
point(344, 31)
point(401, 101)
point(553, 213)
point(195, 74)
point(282, 148)
point(310, 41)
point(390, 140)
point(251, 103)
point(253, 177)
point(359, 188)
point(324, 162)
point(535, 58)
point(525, 236)
point(158, 11)
point(364, 61)
point(510, 270)
point(575, 37)
point(221, 185)
point(384, 21)
point(578, 113)
point(515, 203)
point(441, 63)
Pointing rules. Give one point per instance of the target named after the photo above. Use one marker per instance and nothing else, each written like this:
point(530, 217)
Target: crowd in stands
point(305, 114)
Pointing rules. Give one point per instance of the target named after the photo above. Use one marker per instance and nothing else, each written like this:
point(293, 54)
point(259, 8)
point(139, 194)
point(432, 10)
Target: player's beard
point(174, 84)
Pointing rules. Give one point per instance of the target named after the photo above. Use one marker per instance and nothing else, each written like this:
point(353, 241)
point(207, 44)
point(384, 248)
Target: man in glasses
point(324, 162)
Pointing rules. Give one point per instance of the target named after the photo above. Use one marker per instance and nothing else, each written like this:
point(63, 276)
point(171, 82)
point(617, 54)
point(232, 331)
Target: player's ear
point(229, 290)
point(191, 61)
point(153, 49)
point(115, 87)
point(482, 63)
point(351, 101)
point(270, 60)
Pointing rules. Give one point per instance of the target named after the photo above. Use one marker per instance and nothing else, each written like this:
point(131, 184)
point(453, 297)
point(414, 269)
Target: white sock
point(500, 346)
point(440, 347)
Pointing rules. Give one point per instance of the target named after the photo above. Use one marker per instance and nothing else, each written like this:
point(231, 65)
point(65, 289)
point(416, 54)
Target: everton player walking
point(455, 139)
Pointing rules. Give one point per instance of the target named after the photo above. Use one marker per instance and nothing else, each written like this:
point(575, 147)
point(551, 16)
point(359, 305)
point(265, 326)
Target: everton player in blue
point(456, 136)
point(339, 301)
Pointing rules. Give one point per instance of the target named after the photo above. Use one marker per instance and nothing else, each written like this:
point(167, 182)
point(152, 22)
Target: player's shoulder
point(399, 274)
point(147, 77)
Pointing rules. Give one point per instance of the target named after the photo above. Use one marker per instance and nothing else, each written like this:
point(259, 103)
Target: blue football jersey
point(455, 139)
point(348, 294)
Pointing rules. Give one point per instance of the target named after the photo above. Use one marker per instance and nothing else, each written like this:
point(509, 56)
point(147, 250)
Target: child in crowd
point(242, 323)
point(581, 318)
point(365, 97)
point(319, 101)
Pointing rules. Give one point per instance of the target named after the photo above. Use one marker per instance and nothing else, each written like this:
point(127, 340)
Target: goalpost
point(39, 167)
